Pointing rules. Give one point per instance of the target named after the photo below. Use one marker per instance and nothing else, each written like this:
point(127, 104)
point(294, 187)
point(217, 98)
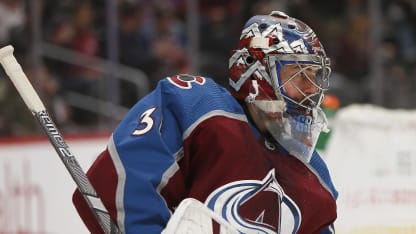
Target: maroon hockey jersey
point(191, 138)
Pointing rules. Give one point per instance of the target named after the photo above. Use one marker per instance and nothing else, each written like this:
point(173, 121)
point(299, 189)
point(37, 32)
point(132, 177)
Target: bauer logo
point(254, 206)
point(54, 134)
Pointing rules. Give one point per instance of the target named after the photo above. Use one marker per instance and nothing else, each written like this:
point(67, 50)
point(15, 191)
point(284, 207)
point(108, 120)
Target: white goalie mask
point(281, 70)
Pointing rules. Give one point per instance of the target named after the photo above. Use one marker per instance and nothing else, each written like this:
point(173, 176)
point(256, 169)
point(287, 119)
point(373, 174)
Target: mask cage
point(304, 61)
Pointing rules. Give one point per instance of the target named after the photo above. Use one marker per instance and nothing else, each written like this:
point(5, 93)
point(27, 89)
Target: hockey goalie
point(194, 157)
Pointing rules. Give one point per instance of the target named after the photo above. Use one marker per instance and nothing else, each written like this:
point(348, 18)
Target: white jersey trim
point(321, 181)
point(166, 176)
point(208, 115)
point(121, 173)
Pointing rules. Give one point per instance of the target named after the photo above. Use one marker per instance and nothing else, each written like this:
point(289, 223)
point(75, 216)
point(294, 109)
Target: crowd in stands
point(152, 37)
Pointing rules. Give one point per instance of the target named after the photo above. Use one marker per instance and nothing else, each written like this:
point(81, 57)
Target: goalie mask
point(281, 70)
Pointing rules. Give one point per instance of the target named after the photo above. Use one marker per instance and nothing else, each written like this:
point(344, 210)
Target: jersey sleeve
point(128, 173)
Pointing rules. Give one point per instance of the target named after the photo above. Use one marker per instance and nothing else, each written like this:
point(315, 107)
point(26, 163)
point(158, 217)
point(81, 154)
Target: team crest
point(185, 81)
point(254, 206)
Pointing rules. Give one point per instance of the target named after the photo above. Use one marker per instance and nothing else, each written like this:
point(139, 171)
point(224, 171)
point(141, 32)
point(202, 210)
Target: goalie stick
point(35, 105)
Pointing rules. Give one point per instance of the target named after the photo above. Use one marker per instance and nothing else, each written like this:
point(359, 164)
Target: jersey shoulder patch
point(185, 81)
point(189, 97)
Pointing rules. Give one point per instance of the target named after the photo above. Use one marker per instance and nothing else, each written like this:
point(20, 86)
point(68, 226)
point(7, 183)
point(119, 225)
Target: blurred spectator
point(134, 47)
point(16, 119)
point(152, 38)
point(217, 39)
point(400, 25)
point(12, 17)
point(398, 85)
point(351, 55)
point(77, 34)
point(399, 54)
point(399, 88)
point(168, 43)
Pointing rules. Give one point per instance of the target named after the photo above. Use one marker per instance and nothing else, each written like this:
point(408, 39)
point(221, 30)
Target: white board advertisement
point(36, 189)
point(372, 158)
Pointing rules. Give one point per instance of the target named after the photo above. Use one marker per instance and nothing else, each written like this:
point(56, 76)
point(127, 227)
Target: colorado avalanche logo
point(275, 211)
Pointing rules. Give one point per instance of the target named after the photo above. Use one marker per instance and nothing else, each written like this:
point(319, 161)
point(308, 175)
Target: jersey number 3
point(147, 121)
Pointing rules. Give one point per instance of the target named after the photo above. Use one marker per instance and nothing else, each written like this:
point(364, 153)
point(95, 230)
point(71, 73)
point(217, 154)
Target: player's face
point(299, 81)
point(296, 121)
